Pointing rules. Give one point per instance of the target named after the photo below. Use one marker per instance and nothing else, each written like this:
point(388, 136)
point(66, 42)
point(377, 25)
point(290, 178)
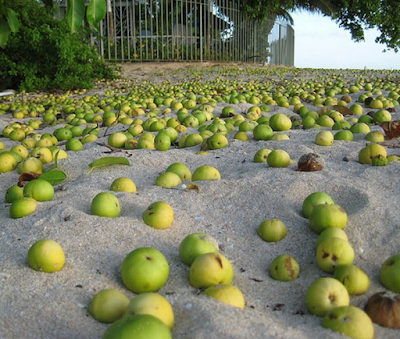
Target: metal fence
point(197, 30)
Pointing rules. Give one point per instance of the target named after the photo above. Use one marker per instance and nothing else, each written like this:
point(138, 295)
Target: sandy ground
point(40, 305)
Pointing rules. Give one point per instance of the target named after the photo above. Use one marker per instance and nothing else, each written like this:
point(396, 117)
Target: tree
point(95, 12)
point(351, 15)
point(356, 16)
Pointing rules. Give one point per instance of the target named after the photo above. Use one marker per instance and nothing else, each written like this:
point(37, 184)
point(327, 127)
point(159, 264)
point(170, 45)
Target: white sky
point(321, 43)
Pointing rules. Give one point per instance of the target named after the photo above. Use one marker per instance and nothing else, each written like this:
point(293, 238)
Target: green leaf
point(12, 20)
point(96, 11)
point(108, 161)
point(53, 177)
point(5, 32)
point(76, 14)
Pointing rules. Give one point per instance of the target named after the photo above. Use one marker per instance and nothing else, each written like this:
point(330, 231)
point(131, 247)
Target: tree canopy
point(352, 15)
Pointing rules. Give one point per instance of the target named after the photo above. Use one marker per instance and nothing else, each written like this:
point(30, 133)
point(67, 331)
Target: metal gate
point(192, 30)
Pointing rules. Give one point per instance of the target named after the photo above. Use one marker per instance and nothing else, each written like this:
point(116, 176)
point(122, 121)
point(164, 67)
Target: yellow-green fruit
point(108, 305)
point(210, 269)
point(272, 230)
point(206, 172)
point(159, 215)
point(350, 321)
point(327, 215)
point(372, 150)
point(314, 199)
point(137, 326)
point(46, 255)
point(284, 268)
point(106, 204)
point(14, 193)
point(123, 185)
point(331, 232)
point(278, 158)
point(180, 169)
point(22, 207)
point(228, 294)
point(39, 189)
point(153, 304)
point(7, 162)
point(30, 164)
point(168, 180)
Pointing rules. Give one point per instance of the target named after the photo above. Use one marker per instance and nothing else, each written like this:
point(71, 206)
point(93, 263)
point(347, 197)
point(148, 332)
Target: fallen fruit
point(384, 309)
point(46, 255)
point(108, 305)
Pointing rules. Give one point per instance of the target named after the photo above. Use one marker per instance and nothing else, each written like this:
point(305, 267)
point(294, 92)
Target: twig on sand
point(112, 149)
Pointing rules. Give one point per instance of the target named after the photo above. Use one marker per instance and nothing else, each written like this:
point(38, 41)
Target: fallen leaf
point(193, 187)
point(391, 129)
point(25, 177)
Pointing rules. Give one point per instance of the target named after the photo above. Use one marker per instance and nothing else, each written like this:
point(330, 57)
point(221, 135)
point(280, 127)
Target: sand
point(39, 305)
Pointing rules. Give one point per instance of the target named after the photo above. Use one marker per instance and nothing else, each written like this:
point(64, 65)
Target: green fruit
point(375, 136)
point(159, 215)
point(162, 142)
point(74, 144)
point(390, 273)
point(228, 294)
point(210, 269)
point(345, 135)
point(272, 230)
point(379, 160)
point(39, 189)
point(180, 169)
point(217, 141)
point(331, 232)
point(108, 305)
point(168, 180)
point(206, 172)
point(327, 215)
point(262, 155)
point(278, 158)
point(284, 268)
point(314, 199)
point(353, 278)
point(280, 122)
point(14, 193)
point(325, 294)
point(324, 138)
point(263, 132)
point(152, 304)
point(46, 255)
point(138, 326)
point(117, 139)
point(22, 207)
point(350, 321)
point(123, 185)
point(195, 245)
point(105, 204)
point(145, 269)
point(8, 162)
point(372, 150)
point(334, 252)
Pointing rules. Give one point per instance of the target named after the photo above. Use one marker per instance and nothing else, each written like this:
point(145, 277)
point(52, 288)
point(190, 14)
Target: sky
point(321, 43)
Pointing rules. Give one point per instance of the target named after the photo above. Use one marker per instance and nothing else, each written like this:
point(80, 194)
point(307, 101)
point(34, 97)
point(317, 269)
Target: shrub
point(45, 55)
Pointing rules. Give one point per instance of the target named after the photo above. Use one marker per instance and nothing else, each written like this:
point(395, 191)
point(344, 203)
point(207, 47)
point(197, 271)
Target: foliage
point(43, 54)
point(381, 14)
point(354, 16)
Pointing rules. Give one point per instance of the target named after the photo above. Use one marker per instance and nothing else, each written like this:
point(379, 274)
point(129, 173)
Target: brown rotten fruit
point(384, 309)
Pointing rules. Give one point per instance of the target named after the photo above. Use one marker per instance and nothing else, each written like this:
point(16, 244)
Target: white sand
point(40, 305)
